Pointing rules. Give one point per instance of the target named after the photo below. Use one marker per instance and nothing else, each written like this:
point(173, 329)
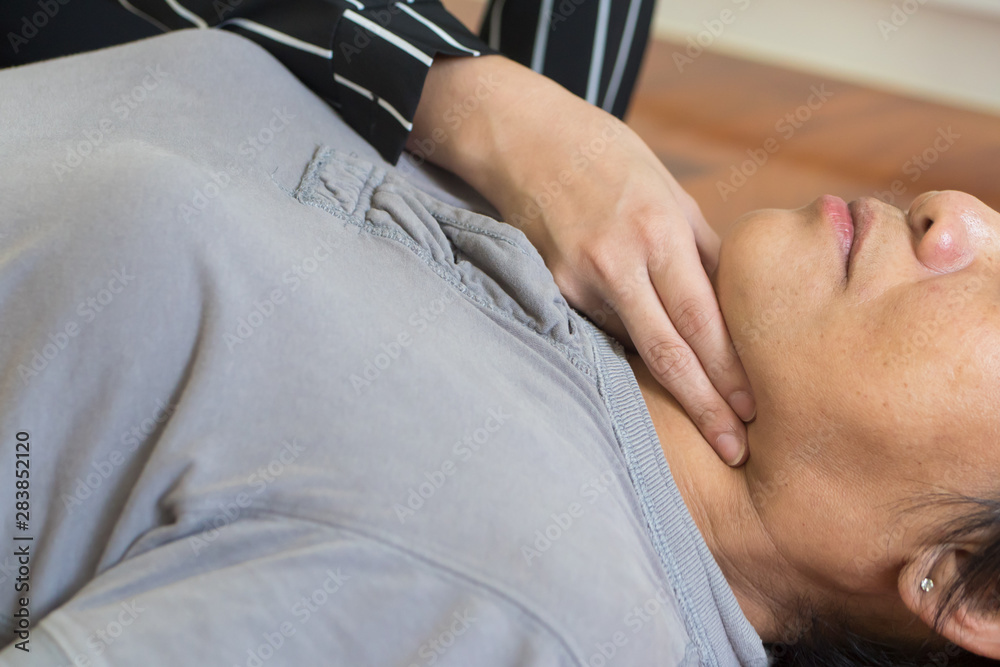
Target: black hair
point(829, 642)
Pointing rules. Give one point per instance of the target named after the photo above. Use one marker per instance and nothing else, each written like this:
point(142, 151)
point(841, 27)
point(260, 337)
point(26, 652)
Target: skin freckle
point(893, 375)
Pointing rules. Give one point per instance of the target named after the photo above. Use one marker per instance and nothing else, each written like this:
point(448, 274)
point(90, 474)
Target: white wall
point(942, 50)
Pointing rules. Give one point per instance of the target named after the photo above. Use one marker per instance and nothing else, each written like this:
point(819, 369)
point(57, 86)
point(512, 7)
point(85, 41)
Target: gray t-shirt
point(281, 407)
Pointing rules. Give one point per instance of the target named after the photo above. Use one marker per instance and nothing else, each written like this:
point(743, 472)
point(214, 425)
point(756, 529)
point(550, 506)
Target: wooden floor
point(858, 142)
point(703, 121)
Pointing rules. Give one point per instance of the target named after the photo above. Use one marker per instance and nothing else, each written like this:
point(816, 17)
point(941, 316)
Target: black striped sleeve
point(381, 58)
point(594, 48)
point(369, 60)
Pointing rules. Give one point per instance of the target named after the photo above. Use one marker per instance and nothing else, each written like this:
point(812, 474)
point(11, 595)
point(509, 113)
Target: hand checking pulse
point(624, 242)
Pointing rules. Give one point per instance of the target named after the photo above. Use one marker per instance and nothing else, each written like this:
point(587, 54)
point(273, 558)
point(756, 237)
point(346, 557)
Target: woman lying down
point(331, 419)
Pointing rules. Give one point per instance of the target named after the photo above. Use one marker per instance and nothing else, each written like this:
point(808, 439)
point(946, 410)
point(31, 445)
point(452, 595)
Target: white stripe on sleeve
point(279, 36)
point(436, 29)
point(597, 54)
point(398, 116)
point(622, 58)
point(361, 90)
point(143, 15)
point(187, 14)
point(395, 40)
point(353, 86)
point(495, 18)
point(541, 36)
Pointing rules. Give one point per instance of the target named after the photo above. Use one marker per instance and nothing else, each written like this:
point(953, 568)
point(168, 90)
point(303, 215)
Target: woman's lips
point(836, 211)
point(863, 213)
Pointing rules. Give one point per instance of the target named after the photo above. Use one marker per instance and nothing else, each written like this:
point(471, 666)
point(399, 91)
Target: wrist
point(485, 119)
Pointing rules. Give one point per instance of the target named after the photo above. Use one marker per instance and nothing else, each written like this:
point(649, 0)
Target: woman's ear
point(923, 585)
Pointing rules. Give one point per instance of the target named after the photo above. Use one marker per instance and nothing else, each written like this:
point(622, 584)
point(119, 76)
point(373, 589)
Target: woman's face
point(872, 340)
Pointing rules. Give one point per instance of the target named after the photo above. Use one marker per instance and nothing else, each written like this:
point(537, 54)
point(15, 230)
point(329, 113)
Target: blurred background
point(764, 103)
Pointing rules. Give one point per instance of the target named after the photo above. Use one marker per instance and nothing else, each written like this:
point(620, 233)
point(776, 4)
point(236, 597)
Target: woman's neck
point(719, 500)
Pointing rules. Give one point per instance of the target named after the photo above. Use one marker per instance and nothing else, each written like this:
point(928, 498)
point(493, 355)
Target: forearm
point(465, 118)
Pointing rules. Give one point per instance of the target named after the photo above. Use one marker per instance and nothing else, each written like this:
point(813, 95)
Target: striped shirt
point(368, 59)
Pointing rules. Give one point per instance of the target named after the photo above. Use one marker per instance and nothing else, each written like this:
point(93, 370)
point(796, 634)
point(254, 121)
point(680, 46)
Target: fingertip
point(745, 456)
point(731, 449)
point(743, 404)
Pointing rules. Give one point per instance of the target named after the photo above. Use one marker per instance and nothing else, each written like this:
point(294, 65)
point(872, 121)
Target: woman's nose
point(920, 216)
point(947, 228)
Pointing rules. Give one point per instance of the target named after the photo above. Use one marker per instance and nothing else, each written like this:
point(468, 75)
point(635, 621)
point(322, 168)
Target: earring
point(927, 585)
